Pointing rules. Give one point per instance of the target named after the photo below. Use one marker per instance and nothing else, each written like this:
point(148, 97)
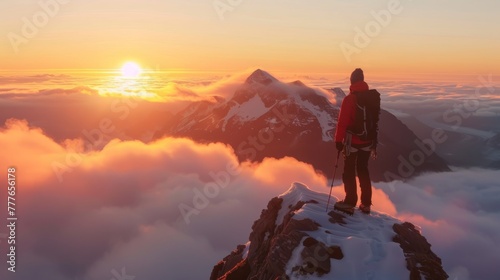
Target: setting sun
point(131, 70)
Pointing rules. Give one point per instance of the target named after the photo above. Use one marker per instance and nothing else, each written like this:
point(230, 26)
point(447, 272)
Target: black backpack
point(367, 115)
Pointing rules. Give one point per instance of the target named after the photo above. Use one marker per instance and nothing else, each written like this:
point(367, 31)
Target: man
point(356, 151)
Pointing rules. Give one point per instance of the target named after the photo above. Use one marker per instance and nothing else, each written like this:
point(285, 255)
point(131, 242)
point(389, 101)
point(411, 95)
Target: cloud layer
point(171, 209)
point(459, 215)
point(120, 206)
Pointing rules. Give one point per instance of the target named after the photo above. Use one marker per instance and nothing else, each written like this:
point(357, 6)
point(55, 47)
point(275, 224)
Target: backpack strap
point(347, 144)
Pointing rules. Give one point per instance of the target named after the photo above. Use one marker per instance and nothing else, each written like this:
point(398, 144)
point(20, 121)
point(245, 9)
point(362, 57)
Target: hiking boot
point(364, 209)
point(344, 207)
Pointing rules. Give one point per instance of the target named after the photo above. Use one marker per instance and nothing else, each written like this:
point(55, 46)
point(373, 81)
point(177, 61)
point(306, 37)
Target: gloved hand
point(339, 145)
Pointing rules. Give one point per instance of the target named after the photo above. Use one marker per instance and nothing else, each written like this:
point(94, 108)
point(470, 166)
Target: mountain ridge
point(295, 238)
point(269, 118)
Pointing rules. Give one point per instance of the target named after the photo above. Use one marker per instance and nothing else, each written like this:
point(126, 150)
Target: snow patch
point(295, 258)
point(246, 250)
point(324, 118)
point(297, 192)
point(248, 111)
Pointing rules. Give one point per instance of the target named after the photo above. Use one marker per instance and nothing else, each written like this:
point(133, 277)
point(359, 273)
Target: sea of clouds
point(122, 207)
point(172, 208)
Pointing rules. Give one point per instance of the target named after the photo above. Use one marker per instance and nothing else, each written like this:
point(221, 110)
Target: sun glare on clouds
point(131, 70)
point(129, 81)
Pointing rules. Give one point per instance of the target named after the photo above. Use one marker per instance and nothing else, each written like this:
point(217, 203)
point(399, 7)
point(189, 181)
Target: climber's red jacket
point(348, 113)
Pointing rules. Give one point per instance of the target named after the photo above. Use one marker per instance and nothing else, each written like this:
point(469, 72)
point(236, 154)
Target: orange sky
point(384, 37)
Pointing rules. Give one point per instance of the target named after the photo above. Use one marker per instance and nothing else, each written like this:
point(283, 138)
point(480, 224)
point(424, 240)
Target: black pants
point(357, 162)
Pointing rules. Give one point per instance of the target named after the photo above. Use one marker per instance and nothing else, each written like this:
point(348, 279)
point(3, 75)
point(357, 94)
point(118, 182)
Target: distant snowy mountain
point(269, 118)
point(295, 238)
point(263, 99)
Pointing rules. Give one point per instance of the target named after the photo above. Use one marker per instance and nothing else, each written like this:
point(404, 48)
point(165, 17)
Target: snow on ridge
point(297, 192)
point(366, 240)
point(248, 111)
point(255, 107)
point(324, 118)
point(246, 250)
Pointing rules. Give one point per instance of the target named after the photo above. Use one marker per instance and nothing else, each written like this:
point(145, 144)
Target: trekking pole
point(333, 179)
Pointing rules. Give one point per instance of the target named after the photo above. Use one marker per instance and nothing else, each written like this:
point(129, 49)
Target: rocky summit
point(296, 238)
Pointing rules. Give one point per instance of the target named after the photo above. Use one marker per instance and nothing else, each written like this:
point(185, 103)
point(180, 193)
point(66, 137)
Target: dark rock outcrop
point(420, 260)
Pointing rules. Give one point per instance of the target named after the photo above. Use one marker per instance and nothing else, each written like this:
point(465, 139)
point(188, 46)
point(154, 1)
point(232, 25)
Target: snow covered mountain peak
point(295, 238)
point(260, 76)
point(264, 103)
point(262, 93)
point(281, 119)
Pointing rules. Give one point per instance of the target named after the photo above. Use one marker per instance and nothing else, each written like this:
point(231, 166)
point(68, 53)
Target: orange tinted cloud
point(120, 206)
point(28, 150)
point(277, 172)
point(126, 196)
